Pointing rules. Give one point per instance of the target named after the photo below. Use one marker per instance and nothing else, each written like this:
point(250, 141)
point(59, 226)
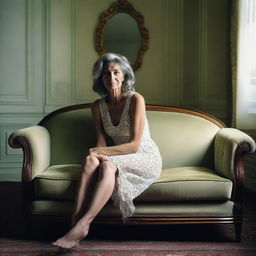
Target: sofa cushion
point(174, 184)
point(153, 209)
point(188, 184)
point(58, 181)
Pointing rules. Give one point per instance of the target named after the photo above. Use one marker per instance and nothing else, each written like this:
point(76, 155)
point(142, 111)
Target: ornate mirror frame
point(122, 6)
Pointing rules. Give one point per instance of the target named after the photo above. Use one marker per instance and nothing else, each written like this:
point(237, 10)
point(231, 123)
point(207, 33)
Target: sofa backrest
point(184, 137)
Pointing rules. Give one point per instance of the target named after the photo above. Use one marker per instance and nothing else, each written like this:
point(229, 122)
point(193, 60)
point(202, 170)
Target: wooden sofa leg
point(238, 231)
point(27, 227)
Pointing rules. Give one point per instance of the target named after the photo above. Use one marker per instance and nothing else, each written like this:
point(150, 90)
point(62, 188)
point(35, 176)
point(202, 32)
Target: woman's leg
point(103, 191)
point(86, 184)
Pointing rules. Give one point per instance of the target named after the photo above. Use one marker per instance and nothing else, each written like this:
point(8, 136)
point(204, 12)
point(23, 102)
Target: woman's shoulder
point(98, 101)
point(137, 98)
point(95, 106)
point(137, 103)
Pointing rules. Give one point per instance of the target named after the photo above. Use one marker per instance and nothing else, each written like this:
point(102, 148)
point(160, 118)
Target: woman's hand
point(97, 152)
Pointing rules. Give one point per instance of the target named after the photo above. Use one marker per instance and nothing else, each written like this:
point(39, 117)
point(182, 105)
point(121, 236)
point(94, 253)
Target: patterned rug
point(126, 248)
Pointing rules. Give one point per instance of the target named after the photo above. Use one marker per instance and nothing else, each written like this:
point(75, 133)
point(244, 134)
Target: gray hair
point(98, 68)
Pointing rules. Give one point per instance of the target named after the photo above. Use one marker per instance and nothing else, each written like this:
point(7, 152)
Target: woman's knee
point(107, 168)
point(91, 163)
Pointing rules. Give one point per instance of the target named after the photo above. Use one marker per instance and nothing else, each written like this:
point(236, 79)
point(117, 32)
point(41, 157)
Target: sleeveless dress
point(136, 171)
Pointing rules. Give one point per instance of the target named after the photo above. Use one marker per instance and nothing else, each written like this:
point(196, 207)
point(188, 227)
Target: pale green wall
point(47, 51)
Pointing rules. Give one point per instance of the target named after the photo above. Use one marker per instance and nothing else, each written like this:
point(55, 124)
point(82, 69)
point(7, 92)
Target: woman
point(125, 169)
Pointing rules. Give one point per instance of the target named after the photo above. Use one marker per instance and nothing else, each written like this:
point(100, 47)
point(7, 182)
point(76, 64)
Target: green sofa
point(201, 181)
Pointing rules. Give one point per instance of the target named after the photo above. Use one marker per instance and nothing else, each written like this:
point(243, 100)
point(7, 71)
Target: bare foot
point(73, 237)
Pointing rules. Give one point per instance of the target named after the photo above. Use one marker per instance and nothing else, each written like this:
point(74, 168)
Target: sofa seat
point(57, 182)
point(143, 209)
point(174, 184)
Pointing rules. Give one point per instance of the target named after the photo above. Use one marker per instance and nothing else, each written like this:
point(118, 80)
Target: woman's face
point(113, 76)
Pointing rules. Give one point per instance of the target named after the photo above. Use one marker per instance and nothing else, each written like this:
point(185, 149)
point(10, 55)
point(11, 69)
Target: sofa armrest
point(35, 143)
point(230, 146)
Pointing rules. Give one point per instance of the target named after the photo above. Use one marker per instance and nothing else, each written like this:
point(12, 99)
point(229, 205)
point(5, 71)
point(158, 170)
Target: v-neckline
point(122, 115)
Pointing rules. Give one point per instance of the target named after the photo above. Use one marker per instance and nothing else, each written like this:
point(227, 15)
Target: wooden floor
point(124, 240)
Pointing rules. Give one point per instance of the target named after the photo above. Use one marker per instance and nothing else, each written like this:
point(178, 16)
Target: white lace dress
point(136, 171)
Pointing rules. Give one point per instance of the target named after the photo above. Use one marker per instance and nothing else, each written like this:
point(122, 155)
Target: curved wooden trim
point(63, 110)
point(148, 107)
point(237, 196)
point(27, 186)
point(239, 176)
point(22, 142)
point(187, 111)
point(125, 7)
point(164, 220)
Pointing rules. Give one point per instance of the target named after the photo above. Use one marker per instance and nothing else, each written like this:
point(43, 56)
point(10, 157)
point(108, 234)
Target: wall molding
point(30, 100)
point(203, 52)
point(179, 46)
point(60, 58)
point(25, 98)
point(165, 43)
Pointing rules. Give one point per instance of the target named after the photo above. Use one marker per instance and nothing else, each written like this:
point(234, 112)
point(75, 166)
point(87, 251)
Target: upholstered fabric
point(72, 133)
point(176, 134)
point(174, 184)
point(183, 139)
point(162, 209)
point(39, 143)
point(178, 209)
point(226, 143)
point(58, 181)
point(188, 184)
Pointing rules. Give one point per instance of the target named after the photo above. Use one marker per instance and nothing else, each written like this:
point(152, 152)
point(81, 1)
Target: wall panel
point(60, 58)
point(21, 56)
point(217, 86)
point(14, 60)
point(190, 94)
point(87, 14)
point(174, 51)
point(151, 80)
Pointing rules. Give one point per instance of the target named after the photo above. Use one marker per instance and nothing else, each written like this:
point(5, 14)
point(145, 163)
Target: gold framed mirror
point(121, 30)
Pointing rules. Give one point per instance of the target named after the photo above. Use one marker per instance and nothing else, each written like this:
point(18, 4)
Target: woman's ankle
point(73, 222)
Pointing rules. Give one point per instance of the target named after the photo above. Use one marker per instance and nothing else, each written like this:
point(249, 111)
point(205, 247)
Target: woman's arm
point(101, 139)
point(137, 113)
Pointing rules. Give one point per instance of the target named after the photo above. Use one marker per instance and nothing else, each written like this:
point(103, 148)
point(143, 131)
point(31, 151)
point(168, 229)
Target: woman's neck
point(115, 97)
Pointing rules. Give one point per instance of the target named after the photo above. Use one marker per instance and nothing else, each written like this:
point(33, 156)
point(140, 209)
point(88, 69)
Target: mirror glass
point(122, 36)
